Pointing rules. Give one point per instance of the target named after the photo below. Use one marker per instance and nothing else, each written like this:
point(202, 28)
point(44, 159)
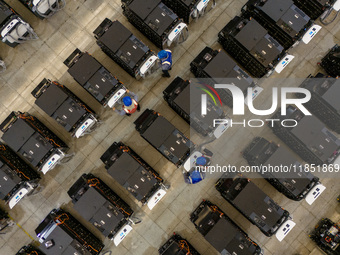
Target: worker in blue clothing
point(197, 173)
point(166, 61)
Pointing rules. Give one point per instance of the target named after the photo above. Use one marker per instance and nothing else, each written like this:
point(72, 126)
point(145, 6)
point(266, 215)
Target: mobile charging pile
point(156, 21)
point(44, 8)
point(295, 185)
point(30, 138)
point(255, 205)
point(190, 10)
point(164, 137)
point(260, 55)
point(108, 212)
point(13, 29)
point(58, 102)
point(216, 67)
point(221, 231)
point(60, 233)
point(18, 179)
point(94, 78)
point(184, 97)
point(125, 49)
point(284, 21)
point(134, 174)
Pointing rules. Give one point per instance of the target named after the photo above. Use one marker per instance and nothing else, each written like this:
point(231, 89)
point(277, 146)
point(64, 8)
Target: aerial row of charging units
point(331, 62)
point(324, 102)
point(157, 22)
point(274, 26)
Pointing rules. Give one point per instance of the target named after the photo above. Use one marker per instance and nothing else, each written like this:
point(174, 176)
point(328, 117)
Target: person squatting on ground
point(129, 104)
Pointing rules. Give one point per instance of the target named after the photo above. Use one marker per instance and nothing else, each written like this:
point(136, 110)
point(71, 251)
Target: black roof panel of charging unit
point(276, 8)
point(18, 134)
point(93, 207)
point(51, 99)
point(141, 182)
point(255, 203)
point(284, 157)
point(131, 53)
point(188, 100)
point(63, 244)
point(84, 68)
point(178, 149)
point(69, 113)
point(159, 131)
point(332, 96)
point(220, 66)
point(251, 34)
point(265, 50)
point(143, 7)
point(35, 149)
point(99, 85)
point(160, 19)
point(258, 42)
point(123, 168)
point(115, 36)
point(221, 234)
point(313, 133)
point(131, 175)
point(295, 18)
point(8, 181)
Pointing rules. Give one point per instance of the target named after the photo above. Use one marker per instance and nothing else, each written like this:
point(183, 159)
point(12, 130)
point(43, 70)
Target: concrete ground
point(72, 28)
